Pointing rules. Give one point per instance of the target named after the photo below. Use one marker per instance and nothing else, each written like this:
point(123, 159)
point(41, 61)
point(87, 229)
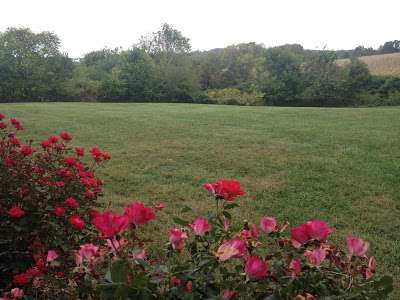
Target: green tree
point(175, 82)
point(362, 51)
point(324, 80)
point(358, 79)
point(280, 77)
point(166, 41)
point(390, 47)
point(31, 66)
point(208, 68)
point(132, 79)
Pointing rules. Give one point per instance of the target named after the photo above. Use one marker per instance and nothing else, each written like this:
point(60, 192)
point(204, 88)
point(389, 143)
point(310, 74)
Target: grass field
point(340, 165)
point(384, 64)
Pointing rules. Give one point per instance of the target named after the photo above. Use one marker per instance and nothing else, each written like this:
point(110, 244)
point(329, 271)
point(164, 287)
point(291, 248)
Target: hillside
point(384, 64)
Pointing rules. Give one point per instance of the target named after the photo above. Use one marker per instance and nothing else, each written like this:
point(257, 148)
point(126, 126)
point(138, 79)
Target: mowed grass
point(383, 64)
point(340, 165)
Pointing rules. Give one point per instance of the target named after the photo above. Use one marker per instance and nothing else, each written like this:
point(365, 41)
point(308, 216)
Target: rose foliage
point(58, 247)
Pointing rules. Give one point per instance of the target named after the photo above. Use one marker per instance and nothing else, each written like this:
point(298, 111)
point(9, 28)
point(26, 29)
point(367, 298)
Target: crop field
point(340, 165)
point(384, 64)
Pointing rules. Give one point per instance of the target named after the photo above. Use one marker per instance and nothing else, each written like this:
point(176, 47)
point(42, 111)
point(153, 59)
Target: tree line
point(162, 68)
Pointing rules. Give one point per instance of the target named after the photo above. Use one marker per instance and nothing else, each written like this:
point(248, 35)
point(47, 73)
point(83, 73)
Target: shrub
point(46, 201)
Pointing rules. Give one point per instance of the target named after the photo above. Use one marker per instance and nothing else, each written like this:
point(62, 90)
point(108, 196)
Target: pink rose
point(51, 255)
point(255, 268)
point(268, 224)
point(357, 247)
point(315, 257)
point(254, 231)
point(215, 188)
point(319, 230)
point(87, 251)
point(235, 248)
point(177, 237)
point(200, 226)
point(295, 267)
point(111, 224)
point(139, 214)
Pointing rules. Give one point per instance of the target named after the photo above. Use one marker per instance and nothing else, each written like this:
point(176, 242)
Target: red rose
point(46, 144)
point(106, 156)
point(97, 158)
point(21, 279)
point(26, 150)
point(95, 152)
point(89, 194)
point(79, 151)
point(59, 211)
point(77, 222)
point(72, 203)
point(52, 139)
point(15, 212)
point(15, 142)
point(59, 147)
point(65, 136)
point(3, 125)
point(70, 161)
point(14, 121)
point(230, 189)
point(40, 265)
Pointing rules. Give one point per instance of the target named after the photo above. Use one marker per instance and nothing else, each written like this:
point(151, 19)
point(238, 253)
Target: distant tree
point(362, 51)
point(280, 77)
point(165, 41)
point(390, 47)
point(31, 66)
point(358, 79)
point(324, 80)
point(102, 61)
point(132, 79)
point(175, 82)
point(208, 68)
point(296, 49)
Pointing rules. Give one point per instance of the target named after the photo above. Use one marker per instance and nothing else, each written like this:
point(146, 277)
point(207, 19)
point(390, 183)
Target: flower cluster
point(48, 197)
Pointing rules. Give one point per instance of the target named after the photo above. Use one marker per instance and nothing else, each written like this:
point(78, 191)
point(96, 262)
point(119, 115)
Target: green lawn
point(340, 165)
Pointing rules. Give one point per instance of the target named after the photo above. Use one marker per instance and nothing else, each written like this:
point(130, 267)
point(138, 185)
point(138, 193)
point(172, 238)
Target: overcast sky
point(88, 25)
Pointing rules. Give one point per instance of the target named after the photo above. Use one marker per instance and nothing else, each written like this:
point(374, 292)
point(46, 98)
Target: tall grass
point(339, 165)
point(384, 64)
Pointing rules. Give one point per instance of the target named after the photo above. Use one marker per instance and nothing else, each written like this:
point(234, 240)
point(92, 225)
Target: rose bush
point(42, 203)
point(83, 254)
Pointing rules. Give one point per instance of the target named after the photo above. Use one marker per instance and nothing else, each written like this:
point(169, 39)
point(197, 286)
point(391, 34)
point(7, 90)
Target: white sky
point(88, 25)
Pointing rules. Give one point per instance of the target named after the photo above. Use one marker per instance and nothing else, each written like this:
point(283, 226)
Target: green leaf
point(119, 271)
point(181, 222)
point(288, 247)
point(142, 262)
point(186, 209)
point(123, 291)
point(204, 262)
point(279, 270)
point(232, 205)
point(384, 284)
